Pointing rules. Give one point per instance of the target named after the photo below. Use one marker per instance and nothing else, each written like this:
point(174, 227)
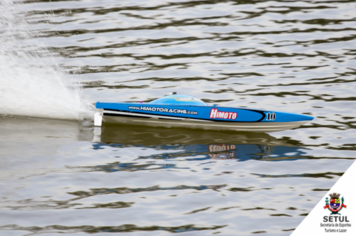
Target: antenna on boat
point(172, 93)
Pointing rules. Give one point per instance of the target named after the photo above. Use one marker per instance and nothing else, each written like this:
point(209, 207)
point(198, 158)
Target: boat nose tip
point(309, 117)
point(303, 117)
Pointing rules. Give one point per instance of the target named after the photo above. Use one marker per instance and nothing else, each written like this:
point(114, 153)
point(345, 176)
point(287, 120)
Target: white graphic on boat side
point(215, 113)
point(161, 109)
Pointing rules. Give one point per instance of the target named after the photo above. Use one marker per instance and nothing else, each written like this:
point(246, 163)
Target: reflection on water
point(133, 178)
point(191, 145)
point(27, 144)
point(149, 136)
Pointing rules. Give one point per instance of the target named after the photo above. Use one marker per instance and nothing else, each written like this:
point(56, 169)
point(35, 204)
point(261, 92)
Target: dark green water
point(62, 177)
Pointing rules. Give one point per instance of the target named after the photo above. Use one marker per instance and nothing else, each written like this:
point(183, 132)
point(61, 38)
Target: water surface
point(67, 177)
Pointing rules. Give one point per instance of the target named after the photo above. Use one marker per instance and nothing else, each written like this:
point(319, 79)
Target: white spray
point(31, 82)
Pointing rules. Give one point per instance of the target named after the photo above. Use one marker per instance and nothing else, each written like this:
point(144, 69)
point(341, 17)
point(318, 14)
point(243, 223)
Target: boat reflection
point(199, 145)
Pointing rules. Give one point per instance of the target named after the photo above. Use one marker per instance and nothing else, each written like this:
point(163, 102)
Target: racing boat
point(189, 112)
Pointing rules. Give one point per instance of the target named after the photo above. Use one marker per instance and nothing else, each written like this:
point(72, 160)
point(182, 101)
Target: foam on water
point(31, 81)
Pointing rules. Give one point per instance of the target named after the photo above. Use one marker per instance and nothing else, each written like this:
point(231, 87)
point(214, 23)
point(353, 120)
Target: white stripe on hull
point(201, 124)
point(148, 115)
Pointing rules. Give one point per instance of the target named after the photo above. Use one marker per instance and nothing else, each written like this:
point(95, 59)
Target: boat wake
point(31, 80)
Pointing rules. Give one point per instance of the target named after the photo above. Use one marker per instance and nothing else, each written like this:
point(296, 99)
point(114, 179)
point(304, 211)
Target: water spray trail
point(31, 81)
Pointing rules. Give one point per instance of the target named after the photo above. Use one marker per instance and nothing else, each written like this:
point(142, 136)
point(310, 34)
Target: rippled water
point(65, 177)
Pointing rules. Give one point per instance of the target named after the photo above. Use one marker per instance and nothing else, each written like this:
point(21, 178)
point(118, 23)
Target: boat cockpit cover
point(179, 100)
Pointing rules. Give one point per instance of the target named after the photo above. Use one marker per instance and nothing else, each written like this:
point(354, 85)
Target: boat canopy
point(179, 100)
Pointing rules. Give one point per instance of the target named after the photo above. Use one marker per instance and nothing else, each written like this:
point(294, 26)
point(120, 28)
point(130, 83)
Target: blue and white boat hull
point(198, 115)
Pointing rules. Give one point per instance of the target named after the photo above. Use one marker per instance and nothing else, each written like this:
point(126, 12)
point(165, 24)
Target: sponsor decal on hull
point(163, 110)
point(215, 113)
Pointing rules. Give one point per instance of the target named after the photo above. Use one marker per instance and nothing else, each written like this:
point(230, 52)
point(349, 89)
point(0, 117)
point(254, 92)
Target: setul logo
point(335, 205)
point(335, 222)
point(215, 113)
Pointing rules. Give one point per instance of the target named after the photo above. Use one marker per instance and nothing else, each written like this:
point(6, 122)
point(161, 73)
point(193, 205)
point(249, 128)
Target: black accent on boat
point(138, 116)
point(110, 114)
point(261, 112)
